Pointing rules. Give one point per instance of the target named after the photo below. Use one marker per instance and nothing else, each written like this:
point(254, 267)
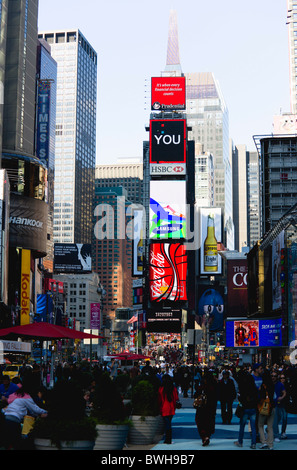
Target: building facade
point(75, 134)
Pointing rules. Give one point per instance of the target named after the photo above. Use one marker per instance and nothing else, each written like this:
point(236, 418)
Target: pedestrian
point(21, 404)
point(248, 398)
point(284, 414)
point(266, 417)
point(206, 394)
point(168, 397)
point(227, 395)
point(7, 388)
point(279, 402)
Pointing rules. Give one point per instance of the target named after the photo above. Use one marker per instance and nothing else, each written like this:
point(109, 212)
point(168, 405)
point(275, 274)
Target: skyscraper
point(292, 29)
point(75, 134)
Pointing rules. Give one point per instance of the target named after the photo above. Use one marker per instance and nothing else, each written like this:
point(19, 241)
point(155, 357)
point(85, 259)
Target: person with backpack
point(266, 409)
point(248, 399)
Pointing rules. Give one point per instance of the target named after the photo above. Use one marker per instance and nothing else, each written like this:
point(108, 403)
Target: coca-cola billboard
point(168, 272)
point(237, 288)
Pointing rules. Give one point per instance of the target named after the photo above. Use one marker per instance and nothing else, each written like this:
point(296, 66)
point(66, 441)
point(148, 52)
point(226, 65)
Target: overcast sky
point(244, 43)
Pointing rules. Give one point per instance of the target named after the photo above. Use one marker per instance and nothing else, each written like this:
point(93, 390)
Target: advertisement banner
point(237, 272)
point(138, 242)
point(168, 169)
point(43, 122)
point(168, 141)
point(164, 321)
point(277, 245)
point(254, 333)
point(168, 93)
point(72, 258)
point(211, 307)
point(211, 235)
point(167, 209)
point(95, 316)
point(167, 272)
point(28, 223)
point(25, 287)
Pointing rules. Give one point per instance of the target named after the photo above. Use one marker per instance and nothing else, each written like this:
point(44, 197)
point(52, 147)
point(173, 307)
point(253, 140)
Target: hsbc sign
point(168, 141)
point(168, 169)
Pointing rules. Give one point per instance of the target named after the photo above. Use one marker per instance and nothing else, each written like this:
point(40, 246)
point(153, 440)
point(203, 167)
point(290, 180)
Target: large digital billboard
point(211, 234)
point(211, 307)
point(164, 321)
point(168, 141)
point(72, 258)
point(168, 93)
point(237, 272)
point(253, 333)
point(167, 272)
point(277, 245)
point(167, 209)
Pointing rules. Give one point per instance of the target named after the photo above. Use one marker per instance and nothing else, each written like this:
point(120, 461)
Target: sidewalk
point(185, 436)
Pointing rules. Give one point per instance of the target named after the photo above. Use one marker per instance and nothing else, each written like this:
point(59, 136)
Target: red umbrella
point(46, 330)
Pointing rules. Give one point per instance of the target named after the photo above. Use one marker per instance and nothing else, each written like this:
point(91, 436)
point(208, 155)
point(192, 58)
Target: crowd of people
point(265, 396)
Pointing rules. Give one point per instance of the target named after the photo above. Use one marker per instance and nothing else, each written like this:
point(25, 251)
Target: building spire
point(173, 61)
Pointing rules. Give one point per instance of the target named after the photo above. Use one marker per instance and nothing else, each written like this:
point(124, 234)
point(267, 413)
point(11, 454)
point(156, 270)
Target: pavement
point(185, 436)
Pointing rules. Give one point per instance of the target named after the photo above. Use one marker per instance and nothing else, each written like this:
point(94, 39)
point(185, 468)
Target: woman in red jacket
point(168, 396)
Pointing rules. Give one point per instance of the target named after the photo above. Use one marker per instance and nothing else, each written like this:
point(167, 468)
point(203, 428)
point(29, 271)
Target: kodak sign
point(25, 287)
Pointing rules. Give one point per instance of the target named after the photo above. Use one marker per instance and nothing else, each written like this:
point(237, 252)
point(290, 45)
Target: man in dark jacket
point(227, 395)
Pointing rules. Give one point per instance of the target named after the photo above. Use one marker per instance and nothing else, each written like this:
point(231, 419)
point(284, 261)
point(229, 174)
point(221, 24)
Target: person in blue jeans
point(248, 397)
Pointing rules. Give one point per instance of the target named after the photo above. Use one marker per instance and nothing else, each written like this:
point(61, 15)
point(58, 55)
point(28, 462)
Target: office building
point(75, 134)
point(112, 250)
point(46, 132)
point(204, 178)
point(127, 173)
point(292, 33)
point(3, 30)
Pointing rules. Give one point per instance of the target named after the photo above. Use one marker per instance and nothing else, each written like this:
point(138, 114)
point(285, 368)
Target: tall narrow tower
point(173, 66)
point(292, 31)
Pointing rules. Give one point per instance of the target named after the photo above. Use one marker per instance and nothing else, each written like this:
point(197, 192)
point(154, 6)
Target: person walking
point(279, 401)
point(168, 397)
point(206, 395)
point(227, 395)
point(266, 396)
point(248, 398)
point(21, 404)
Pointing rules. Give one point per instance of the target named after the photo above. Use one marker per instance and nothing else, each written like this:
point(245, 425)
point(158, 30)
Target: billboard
point(25, 286)
point(168, 141)
point(167, 209)
point(254, 333)
point(210, 236)
point(28, 223)
point(4, 234)
point(278, 245)
point(138, 242)
point(211, 306)
point(95, 316)
point(168, 93)
point(43, 121)
point(237, 272)
point(164, 321)
point(167, 272)
point(72, 258)
point(168, 169)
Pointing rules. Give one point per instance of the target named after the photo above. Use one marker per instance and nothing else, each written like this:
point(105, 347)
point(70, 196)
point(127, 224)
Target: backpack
point(264, 407)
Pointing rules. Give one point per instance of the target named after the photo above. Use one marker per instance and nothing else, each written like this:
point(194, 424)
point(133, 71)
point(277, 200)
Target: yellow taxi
point(12, 370)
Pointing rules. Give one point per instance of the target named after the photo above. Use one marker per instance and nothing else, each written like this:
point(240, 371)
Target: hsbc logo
point(168, 169)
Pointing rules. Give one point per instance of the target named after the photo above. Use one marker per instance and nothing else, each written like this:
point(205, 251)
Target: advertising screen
point(164, 321)
point(237, 271)
point(72, 258)
point(168, 141)
point(168, 93)
point(254, 333)
point(167, 272)
point(211, 307)
point(277, 245)
point(211, 234)
point(167, 209)
point(138, 242)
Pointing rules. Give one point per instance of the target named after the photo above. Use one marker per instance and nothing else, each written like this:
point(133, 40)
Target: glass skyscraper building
point(75, 145)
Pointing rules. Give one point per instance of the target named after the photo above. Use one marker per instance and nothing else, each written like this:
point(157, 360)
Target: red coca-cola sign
point(168, 272)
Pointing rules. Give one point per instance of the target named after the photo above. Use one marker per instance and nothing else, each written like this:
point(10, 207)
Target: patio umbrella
point(46, 330)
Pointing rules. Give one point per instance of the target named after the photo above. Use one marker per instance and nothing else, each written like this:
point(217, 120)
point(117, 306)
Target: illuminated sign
point(168, 141)
point(254, 333)
point(237, 272)
point(164, 321)
point(211, 229)
point(168, 93)
point(167, 209)
point(25, 287)
point(167, 272)
point(167, 169)
point(43, 122)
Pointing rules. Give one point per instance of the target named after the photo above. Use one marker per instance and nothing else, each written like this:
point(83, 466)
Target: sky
point(244, 44)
